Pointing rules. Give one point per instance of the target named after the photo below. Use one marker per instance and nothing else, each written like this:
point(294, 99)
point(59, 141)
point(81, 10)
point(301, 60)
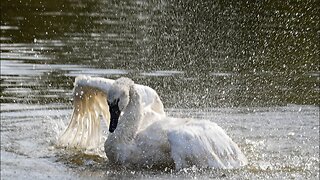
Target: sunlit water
point(253, 68)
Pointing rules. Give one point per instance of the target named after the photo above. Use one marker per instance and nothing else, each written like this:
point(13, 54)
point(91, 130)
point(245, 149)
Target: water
point(252, 67)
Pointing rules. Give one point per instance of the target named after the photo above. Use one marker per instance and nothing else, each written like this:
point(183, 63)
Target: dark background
point(194, 53)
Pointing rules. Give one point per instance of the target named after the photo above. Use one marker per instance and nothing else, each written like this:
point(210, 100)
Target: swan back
point(205, 144)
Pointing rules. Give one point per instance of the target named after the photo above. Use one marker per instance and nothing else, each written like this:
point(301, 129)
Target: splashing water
point(234, 54)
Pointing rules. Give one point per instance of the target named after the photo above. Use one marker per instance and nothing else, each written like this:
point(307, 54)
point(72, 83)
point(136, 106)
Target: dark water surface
point(252, 67)
point(231, 54)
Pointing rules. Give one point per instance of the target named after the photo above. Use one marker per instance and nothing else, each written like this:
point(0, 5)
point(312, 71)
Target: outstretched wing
point(204, 144)
point(89, 104)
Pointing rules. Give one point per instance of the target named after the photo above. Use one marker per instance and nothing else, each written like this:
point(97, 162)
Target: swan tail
point(89, 103)
point(204, 144)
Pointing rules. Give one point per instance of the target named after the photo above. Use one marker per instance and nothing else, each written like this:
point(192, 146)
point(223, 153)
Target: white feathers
point(90, 105)
point(184, 142)
point(145, 136)
point(204, 144)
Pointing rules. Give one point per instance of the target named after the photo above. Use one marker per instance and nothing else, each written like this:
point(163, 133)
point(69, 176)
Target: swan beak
point(114, 115)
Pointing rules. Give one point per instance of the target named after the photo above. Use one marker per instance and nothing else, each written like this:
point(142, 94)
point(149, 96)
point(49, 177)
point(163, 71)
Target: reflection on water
point(196, 54)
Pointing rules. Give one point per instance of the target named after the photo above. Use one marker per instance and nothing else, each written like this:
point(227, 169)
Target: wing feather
point(89, 103)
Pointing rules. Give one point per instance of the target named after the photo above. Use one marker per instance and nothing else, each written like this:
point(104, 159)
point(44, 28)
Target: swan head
point(118, 100)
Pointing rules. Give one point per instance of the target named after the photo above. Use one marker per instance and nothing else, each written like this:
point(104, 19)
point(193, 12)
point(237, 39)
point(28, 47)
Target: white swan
point(168, 141)
point(90, 102)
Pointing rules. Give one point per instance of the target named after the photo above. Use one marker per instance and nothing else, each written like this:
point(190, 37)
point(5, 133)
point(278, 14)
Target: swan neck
point(129, 121)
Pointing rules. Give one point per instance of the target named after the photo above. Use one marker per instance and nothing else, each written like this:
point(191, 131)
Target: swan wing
point(204, 144)
point(150, 99)
point(153, 109)
point(89, 103)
